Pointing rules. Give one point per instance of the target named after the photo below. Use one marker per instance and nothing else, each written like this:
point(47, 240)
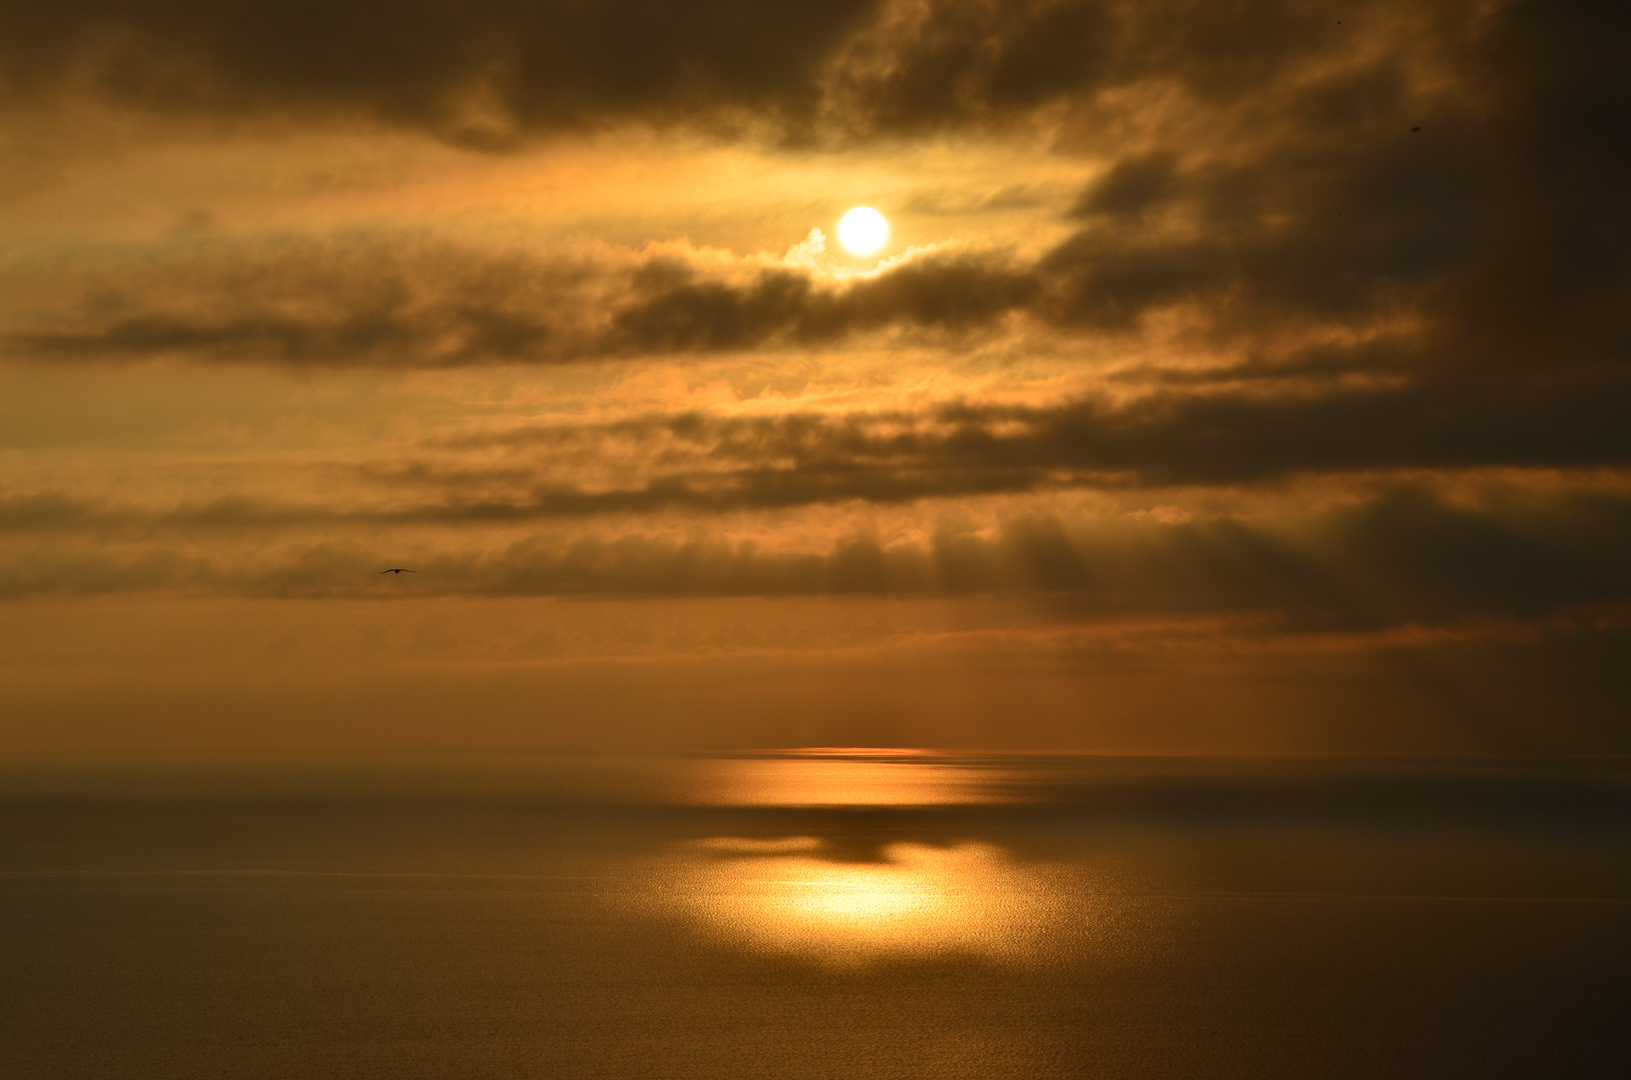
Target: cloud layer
point(1318, 331)
point(1398, 192)
point(1402, 556)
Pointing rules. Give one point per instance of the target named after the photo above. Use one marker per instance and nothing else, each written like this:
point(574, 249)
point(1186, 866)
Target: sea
point(826, 913)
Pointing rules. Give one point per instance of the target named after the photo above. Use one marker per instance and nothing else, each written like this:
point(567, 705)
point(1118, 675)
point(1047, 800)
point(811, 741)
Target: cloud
point(1395, 244)
point(1331, 350)
point(1228, 439)
point(1444, 179)
point(1208, 437)
point(489, 72)
point(1475, 222)
point(396, 303)
point(1404, 555)
point(947, 292)
point(308, 302)
point(480, 73)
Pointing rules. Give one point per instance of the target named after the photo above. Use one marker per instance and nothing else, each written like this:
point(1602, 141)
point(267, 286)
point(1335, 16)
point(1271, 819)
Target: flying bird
point(399, 570)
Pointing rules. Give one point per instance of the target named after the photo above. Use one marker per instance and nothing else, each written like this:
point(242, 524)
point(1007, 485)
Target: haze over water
point(841, 913)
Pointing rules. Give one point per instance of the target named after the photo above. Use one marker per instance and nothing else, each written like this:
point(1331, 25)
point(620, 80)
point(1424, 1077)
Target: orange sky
point(1236, 378)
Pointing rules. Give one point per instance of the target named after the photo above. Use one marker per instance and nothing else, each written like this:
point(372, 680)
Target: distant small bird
point(399, 570)
point(1415, 129)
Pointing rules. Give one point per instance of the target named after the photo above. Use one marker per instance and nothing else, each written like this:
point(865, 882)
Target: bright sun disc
point(863, 230)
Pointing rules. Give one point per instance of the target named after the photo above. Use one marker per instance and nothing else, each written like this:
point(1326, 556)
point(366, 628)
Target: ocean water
point(834, 914)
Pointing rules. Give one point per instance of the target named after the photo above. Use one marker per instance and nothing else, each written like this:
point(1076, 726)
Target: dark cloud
point(1449, 215)
point(379, 303)
point(1404, 556)
point(482, 72)
point(1308, 232)
point(1555, 287)
point(1474, 196)
point(488, 71)
point(1199, 438)
point(1461, 192)
point(389, 336)
point(338, 302)
point(1493, 236)
point(948, 293)
point(705, 464)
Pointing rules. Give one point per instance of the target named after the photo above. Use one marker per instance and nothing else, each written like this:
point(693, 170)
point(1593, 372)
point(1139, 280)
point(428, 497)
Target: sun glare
point(788, 894)
point(863, 230)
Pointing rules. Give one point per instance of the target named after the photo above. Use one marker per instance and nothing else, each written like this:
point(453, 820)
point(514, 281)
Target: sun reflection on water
point(857, 896)
point(792, 895)
point(842, 777)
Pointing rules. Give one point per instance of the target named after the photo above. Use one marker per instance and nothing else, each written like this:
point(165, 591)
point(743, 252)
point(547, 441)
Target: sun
point(863, 230)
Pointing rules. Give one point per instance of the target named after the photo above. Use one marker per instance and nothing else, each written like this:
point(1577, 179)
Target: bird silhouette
point(399, 570)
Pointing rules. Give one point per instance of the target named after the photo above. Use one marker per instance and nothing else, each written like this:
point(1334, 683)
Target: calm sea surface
point(821, 914)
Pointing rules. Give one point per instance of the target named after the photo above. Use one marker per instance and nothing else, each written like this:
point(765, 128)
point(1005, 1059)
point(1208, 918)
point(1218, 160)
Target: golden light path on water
point(840, 778)
point(831, 902)
point(789, 895)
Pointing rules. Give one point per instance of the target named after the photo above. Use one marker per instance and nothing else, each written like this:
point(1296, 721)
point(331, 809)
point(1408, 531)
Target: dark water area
point(850, 915)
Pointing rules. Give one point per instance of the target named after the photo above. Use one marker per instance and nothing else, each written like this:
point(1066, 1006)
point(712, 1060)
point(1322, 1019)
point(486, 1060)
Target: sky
point(1237, 378)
